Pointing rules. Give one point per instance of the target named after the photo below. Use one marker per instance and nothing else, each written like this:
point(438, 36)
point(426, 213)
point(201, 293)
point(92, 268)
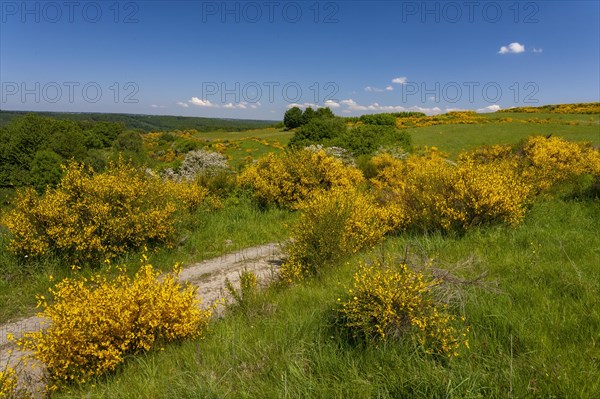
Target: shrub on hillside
point(367, 139)
point(318, 131)
point(332, 225)
point(428, 192)
point(337, 152)
point(552, 162)
point(105, 319)
point(202, 163)
point(549, 164)
point(206, 168)
point(378, 119)
point(90, 216)
point(392, 302)
point(286, 178)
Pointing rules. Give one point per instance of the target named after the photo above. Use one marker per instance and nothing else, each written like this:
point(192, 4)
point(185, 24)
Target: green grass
point(455, 138)
point(247, 143)
point(535, 335)
point(238, 145)
point(269, 134)
point(240, 224)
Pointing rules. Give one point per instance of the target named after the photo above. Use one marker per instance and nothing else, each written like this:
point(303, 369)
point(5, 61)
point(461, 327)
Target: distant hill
point(578, 108)
point(149, 123)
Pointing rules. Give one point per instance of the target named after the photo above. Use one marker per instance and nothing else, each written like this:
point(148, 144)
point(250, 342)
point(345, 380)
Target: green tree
point(366, 139)
point(67, 140)
point(45, 170)
point(324, 112)
point(292, 118)
point(19, 141)
point(130, 145)
point(101, 134)
point(379, 119)
point(318, 131)
point(308, 115)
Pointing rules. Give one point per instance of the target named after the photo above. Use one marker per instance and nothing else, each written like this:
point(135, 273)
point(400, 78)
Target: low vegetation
point(409, 272)
point(90, 217)
point(105, 320)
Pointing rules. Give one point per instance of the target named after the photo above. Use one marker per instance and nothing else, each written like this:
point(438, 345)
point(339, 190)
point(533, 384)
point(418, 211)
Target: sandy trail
point(209, 276)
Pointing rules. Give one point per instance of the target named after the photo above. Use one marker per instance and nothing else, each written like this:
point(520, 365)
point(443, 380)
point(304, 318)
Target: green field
point(534, 321)
point(455, 138)
point(530, 294)
point(450, 139)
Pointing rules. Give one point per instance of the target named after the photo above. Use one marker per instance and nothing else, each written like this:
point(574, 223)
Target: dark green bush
point(318, 131)
point(367, 139)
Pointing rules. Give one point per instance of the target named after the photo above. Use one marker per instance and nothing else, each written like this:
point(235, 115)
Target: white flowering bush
point(198, 163)
point(336, 152)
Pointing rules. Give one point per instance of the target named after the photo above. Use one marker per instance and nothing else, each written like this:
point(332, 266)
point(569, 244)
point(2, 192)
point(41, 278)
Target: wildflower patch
point(105, 319)
point(394, 302)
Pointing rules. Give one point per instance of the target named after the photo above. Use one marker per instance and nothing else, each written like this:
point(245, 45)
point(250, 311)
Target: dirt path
point(209, 276)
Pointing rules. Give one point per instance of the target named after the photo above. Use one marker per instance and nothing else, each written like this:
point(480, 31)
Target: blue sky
point(256, 59)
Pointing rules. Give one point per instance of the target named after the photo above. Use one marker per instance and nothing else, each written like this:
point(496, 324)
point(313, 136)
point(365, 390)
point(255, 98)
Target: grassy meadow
point(455, 138)
point(529, 292)
point(498, 128)
point(533, 318)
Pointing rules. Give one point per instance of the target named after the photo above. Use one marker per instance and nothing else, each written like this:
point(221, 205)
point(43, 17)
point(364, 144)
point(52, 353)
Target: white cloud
point(352, 105)
point(242, 105)
point(489, 108)
point(201, 103)
point(428, 111)
point(207, 104)
point(303, 105)
point(157, 106)
point(513, 48)
point(378, 90)
point(327, 103)
point(400, 80)
point(538, 50)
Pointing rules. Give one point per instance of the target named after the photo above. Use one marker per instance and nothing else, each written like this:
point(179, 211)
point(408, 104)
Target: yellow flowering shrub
point(331, 225)
point(429, 192)
point(89, 216)
point(391, 302)
point(578, 108)
point(492, 192)
point(420, 187)
point(552, 161)
point(287, 178)
point(243, 298)
point(95, 323)
point(487, 153)
point(449, 118)
point(8, 383)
